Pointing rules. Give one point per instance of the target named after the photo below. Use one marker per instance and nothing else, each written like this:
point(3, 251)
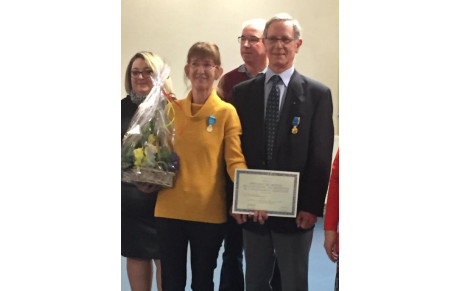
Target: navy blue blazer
point(308, 152)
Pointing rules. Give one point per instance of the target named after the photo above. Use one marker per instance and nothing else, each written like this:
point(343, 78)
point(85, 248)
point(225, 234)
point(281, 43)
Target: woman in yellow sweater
point(208, 144)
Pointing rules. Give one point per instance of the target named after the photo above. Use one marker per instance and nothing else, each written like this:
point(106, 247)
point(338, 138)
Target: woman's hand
point(147, 187)
point(259, 216)
point(330, 244)
point(240, 218)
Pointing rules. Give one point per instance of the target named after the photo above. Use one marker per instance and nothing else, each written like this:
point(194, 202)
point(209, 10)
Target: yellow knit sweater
point(199, 191)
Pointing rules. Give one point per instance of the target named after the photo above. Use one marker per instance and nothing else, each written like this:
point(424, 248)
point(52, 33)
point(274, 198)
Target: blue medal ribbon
point(211, 122)
point(295, 123)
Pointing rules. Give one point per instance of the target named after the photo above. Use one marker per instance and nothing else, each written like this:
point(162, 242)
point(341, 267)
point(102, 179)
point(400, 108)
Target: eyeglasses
point(207, 66)
point(145, 74)
point(250, 39)
point(284, 39)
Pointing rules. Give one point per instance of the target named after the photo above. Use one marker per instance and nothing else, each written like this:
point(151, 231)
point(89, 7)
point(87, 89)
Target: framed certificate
point(273, 191)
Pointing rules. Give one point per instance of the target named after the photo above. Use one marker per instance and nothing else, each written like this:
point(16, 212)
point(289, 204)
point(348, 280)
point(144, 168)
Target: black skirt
point(138, 232)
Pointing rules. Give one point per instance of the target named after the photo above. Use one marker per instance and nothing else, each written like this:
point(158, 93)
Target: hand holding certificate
point(273, 191)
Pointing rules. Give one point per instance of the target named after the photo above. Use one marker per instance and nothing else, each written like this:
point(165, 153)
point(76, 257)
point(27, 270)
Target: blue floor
point(321, 269)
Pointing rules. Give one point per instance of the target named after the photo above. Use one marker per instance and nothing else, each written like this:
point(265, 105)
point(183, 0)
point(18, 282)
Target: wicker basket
point(149, 175)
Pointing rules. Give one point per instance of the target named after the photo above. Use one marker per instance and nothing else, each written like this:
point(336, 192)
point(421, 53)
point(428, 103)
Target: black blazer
point(308, 152)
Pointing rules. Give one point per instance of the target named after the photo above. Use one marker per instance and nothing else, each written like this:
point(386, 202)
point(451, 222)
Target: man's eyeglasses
point(145, 74)
point(284, 39)
point(206, 65)
point(250, 39)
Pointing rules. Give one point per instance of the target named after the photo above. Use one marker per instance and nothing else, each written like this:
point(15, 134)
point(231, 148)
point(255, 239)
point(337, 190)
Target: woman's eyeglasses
point(206, 65)
point(145, 74)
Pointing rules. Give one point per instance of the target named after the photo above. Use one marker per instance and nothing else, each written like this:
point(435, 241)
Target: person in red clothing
point(331, 219)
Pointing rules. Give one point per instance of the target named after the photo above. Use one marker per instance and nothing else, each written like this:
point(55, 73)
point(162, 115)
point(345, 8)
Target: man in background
point(252, 52)
point(255, 60)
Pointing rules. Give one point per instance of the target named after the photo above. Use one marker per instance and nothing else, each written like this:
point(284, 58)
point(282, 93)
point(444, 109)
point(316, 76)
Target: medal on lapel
point(295, 123)
point(211, 122)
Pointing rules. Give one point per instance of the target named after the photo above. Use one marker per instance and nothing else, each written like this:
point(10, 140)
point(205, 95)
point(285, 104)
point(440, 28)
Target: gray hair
point(287, 18)
point(258, 23)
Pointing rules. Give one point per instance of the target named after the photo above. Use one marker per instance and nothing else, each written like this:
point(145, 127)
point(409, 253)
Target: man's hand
point(330, 244)
point(305, 220)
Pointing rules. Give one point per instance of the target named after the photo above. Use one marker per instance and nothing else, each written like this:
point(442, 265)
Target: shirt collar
point(242, 69)
point(285, 76)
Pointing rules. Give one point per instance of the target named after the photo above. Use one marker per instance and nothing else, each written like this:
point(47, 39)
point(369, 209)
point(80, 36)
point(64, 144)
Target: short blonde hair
point(155, 63)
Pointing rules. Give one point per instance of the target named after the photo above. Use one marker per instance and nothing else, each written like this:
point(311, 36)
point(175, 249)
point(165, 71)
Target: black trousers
point(205, 240)
point(231, 274)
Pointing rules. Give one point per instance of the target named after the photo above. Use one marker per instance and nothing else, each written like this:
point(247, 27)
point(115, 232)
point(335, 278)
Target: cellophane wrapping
point(147, 151)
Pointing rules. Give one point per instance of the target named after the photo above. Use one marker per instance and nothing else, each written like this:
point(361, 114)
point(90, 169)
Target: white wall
point(169, 28)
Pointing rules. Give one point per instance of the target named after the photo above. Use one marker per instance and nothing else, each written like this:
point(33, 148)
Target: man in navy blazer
point(303, 143)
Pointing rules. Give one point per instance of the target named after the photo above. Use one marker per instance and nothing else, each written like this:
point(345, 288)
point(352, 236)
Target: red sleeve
point(331, 219)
